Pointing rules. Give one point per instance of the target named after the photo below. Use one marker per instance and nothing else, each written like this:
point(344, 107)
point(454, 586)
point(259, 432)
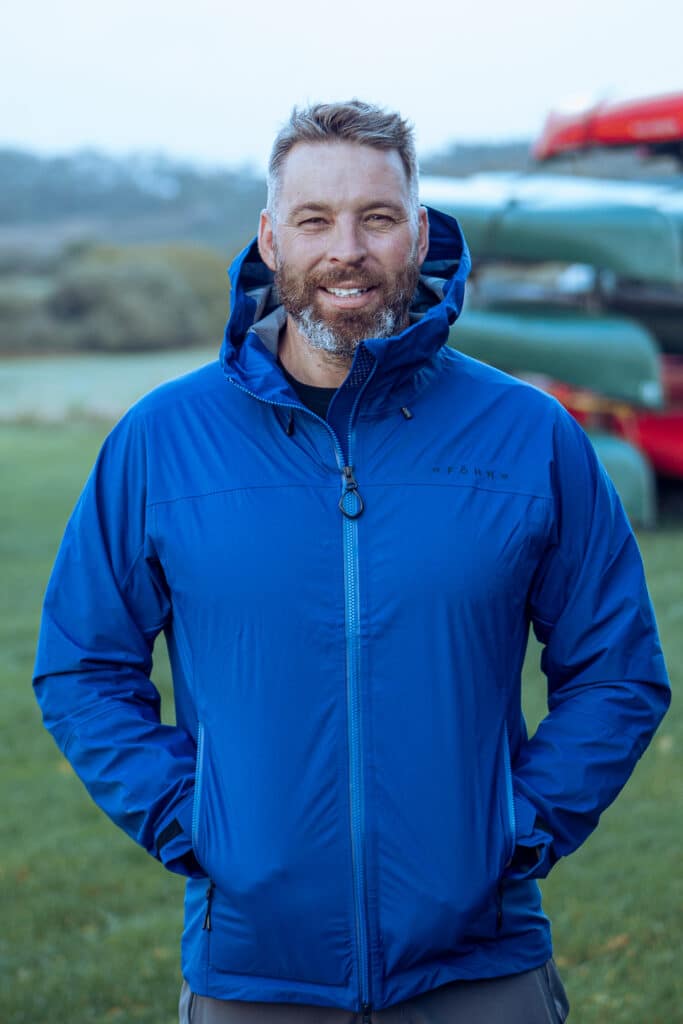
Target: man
point(345, 530)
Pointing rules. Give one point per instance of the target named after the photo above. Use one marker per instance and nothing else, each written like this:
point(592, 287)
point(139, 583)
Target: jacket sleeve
point(607, 681)
point(106, 601)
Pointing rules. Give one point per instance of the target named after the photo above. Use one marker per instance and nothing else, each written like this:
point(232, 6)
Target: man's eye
point(312, 222)
point(379, 219)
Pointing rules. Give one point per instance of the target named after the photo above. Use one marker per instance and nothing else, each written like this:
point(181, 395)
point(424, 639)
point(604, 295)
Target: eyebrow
point(304, 207)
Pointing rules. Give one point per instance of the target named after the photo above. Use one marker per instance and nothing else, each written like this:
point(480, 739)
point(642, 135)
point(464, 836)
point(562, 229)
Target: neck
point(308, 364)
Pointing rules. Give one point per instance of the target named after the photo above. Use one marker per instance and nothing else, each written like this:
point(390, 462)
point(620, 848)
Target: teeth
point(346, 291)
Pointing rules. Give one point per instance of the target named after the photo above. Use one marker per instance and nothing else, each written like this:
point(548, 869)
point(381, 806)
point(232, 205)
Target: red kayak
point(658, 434)
point(660, 437)
point(655, 123)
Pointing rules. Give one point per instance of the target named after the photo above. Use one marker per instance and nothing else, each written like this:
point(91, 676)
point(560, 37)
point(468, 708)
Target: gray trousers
point(534, 997)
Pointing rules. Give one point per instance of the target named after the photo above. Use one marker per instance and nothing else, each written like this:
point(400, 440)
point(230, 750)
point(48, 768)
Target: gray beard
point(339, 336)
point(319, 334)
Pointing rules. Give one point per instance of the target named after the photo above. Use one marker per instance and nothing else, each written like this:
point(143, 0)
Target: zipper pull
point(355, 501)
point(367, 1010)
point(206, 927)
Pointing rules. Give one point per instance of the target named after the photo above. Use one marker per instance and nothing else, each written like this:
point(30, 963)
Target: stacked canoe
point(606, 367)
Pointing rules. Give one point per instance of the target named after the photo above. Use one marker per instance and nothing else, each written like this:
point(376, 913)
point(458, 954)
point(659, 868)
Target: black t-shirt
point(314, 398)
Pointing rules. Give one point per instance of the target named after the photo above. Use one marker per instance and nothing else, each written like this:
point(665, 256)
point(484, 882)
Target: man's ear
point(265, 240)
point(422, 235)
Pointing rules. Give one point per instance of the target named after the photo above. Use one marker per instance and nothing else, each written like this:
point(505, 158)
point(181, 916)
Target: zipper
point(199, 771)
point(512, 824)
point(354, 508)
point(206, 927)
point(356, 788)
point(509, 792)
point(499, 906)
point(351, 506)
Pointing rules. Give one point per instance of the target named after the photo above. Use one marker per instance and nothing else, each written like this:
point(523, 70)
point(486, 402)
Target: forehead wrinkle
point(340, 168)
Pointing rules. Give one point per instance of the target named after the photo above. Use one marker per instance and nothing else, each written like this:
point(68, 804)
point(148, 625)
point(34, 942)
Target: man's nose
point(347, 242)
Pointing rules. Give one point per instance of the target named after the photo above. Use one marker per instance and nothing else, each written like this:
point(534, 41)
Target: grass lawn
point(91, 924)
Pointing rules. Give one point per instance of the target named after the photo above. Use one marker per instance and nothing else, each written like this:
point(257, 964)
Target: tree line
point(109, 253)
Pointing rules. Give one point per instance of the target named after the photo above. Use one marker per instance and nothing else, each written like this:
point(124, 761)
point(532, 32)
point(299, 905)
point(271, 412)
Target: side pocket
point(198, 776)
point(509, 798)
point(509, 827)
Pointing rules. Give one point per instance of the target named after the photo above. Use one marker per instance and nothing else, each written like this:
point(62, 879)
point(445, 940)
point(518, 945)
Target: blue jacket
point(346, 606)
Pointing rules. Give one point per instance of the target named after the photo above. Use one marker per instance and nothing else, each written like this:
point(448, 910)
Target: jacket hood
point(437, 304)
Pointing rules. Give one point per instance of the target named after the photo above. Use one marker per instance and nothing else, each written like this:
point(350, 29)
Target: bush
point(117, 298)
point(126, 307)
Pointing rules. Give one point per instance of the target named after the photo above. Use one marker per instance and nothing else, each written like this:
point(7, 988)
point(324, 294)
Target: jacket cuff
point(174, 843)
point(533, 856)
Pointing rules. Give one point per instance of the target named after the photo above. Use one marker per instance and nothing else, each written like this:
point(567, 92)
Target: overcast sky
point(213, 80)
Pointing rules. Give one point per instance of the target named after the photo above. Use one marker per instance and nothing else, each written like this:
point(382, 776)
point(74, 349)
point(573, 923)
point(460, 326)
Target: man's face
point(344, 248)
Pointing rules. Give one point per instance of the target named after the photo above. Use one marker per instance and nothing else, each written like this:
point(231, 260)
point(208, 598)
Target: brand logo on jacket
point(475, 472)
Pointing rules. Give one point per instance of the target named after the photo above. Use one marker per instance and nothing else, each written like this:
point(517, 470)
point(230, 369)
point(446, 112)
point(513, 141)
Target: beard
point(339, 332)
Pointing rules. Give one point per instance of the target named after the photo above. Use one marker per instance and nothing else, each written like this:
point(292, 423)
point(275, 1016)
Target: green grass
point(616, 904)
point(91, 925)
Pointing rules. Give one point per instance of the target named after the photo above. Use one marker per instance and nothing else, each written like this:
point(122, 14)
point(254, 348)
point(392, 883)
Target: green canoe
point(611, 355)
point(632, 476)
point(631, 228)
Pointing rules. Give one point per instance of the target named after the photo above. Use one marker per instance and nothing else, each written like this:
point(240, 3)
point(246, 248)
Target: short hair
point(354, 121)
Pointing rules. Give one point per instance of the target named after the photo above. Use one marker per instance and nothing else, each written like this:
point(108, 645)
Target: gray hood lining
point(270, 316)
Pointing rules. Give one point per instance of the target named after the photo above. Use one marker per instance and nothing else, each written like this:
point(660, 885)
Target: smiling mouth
point(344, 292)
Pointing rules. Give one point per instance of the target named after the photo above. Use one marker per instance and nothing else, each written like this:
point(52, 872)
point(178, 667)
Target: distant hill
point(49, 202)
point(46, 202)
point(463, 158)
